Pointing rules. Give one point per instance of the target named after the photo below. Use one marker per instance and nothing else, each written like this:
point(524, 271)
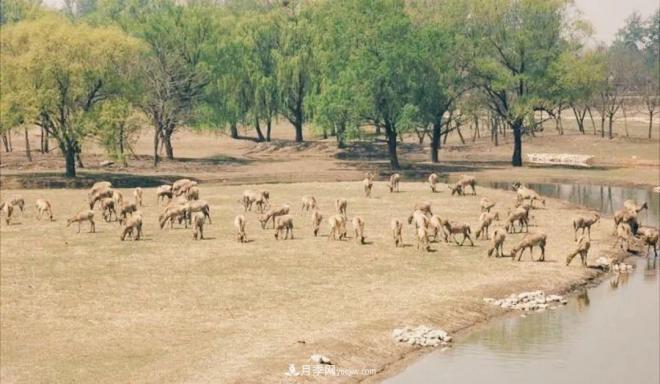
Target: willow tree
point(226, 99)
point(262, 38)
point(295, 66)
point(174, 72)
point(63, 86)
point(518, 42)
point(336, 106)
point(386, 62)
point(447, 48)
point(378, 67)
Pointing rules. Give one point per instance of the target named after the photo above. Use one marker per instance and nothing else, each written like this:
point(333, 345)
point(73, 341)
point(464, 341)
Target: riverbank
point(407, 359)
point(168, 309)
point(575, 343)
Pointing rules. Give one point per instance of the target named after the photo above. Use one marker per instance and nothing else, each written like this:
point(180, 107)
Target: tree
point(116, 125)
point(574, 79)
point(262, 37)
point(295, 69)
point(382, 69)
point(624, 77)
point(636, 53)
point(61, 87)
point(173, 72)
point(12, 11)
point(335, 106)
point(651, 100)
point(441, 36)
point(519, 41)
point(227, 97)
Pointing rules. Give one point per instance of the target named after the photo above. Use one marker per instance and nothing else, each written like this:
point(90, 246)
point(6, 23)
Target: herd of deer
point(182, 204)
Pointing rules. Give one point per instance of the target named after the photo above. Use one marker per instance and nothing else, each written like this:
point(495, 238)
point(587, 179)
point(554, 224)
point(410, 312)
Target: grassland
point(90, 308)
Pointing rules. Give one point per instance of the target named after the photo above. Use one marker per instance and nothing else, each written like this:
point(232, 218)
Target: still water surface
point(606, 334)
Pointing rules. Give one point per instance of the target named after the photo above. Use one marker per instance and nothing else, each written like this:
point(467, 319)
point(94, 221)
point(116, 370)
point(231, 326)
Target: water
point(606, 334)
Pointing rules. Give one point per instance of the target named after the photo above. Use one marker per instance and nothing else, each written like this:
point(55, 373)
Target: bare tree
point(651, 99)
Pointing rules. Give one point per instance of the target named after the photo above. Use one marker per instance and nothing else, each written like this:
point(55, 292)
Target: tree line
point(101, 69)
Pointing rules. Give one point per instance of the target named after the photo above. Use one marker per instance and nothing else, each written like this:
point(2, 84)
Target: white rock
point(320, 359)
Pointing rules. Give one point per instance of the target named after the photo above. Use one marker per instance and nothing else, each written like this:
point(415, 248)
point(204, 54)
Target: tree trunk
point(390, 131)
point(650, 123)
point(70, 158)
point(602, 125)
point(377, 130)
point(339, 134)
point(41, 142)
point(156, 143)
point(162, 144)
point(591, 118)
point(27, 145)
point(495, 131)
point(458, 130)
point(79, 160)
point(46, 142)
point(233, 130)
point(299, 131)
point(435, 139)
point(169, 151)
point(5, 142)
point(579, 118)
point(625, 119)
point(269, 127)
point(477, 133)
point(257, 127)
point(121, 146)
point(516, 160)
point(420, 136)
point(610, 122)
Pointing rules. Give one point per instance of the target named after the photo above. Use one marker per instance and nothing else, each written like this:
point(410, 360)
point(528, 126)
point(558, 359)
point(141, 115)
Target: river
point(605, 334)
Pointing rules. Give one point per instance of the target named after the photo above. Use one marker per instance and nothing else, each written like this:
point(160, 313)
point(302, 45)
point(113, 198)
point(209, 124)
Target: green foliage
point(116, 125)
point(368, 55)
point(12, 11)
point(519, 40)
point(575, 78)
point(61, 72)
point(639, 40)
point(295, 68)
point(341, 65)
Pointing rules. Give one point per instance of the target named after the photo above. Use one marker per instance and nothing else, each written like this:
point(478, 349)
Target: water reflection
point(619, 279)
point(604, 198)
point(605, 334)
point(582, 300)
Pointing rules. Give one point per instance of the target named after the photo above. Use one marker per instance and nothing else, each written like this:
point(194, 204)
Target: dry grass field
point(81, 308)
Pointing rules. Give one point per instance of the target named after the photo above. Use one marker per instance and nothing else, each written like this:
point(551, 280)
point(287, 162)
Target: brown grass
point(90, 308)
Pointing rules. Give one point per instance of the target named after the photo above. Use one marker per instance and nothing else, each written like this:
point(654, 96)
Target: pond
point(605, 334)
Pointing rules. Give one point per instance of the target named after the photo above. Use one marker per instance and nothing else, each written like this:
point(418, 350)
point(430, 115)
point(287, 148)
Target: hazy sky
point(607, 16)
